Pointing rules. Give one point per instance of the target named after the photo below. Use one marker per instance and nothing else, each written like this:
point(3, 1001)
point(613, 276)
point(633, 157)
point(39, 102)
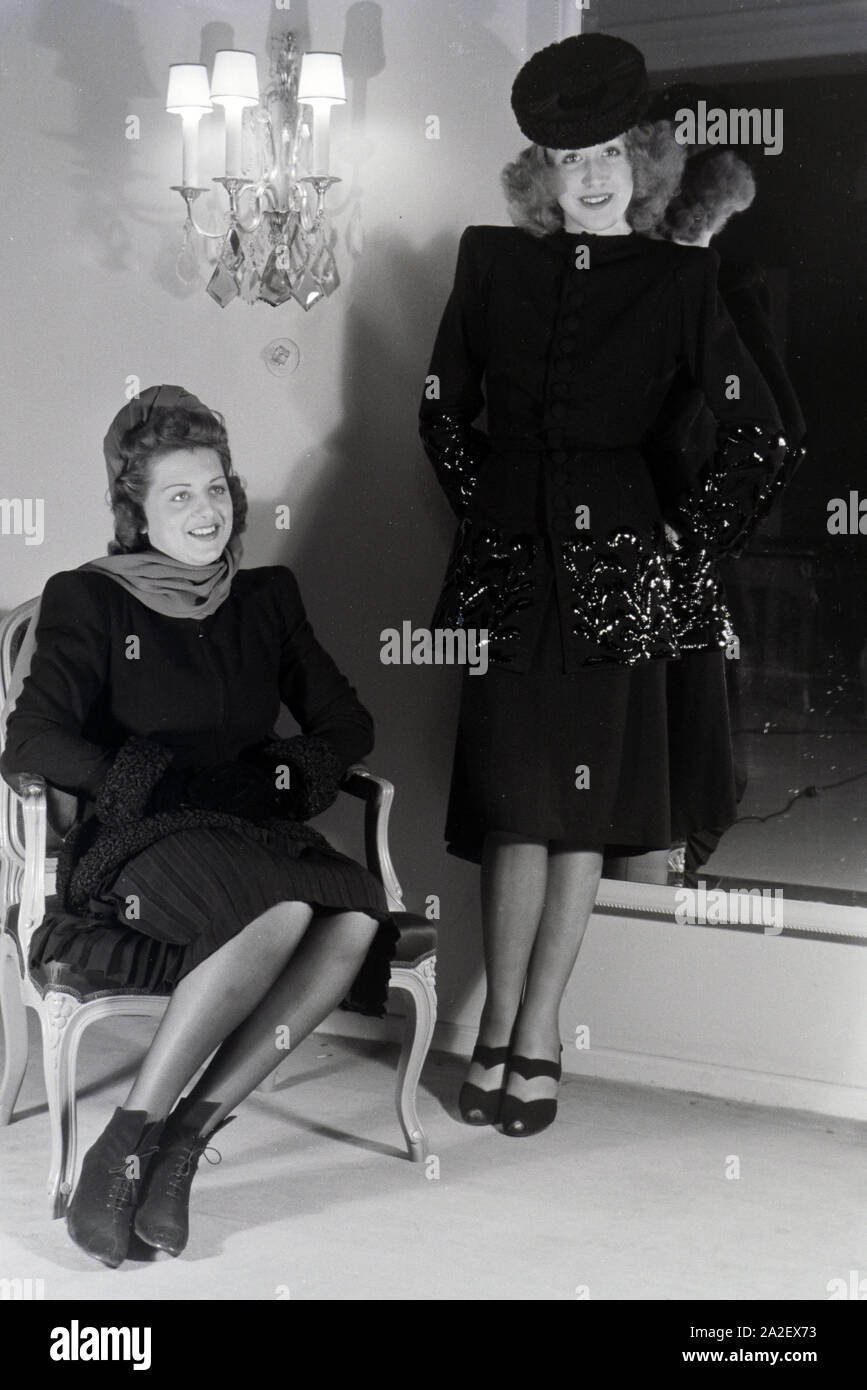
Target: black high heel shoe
point(521, 1118)
point(480, 1107)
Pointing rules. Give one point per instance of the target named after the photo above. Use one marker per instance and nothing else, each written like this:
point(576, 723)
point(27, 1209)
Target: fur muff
point(96, 849)
point(315, 772)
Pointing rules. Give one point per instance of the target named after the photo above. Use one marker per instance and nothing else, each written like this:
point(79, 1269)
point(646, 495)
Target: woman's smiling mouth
point(204, 533)
point(596, 200)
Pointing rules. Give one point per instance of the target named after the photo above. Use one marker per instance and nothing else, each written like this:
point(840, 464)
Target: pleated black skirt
point(586, 758)
point(178, 901)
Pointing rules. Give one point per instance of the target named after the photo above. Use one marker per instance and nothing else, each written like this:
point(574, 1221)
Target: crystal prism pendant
point(225, 283)
point(276, 286)
point(279, 272)
point(324, 270)
point(187, 263)
point(257, 248)
point(307, 290)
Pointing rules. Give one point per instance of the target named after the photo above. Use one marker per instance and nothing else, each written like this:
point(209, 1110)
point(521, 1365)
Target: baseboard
point(640, 1069)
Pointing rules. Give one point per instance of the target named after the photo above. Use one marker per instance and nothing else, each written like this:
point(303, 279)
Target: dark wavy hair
point(531, 183)
point(162, 433)
point(715, 185)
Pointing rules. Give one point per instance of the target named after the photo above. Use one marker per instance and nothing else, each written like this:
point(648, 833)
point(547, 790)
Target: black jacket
point(685, 433)
point(573, 343)
point(159, 724)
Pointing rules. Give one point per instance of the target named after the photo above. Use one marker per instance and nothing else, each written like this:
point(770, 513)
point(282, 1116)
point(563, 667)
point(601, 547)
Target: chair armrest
point(31, 790)
point(378, 795)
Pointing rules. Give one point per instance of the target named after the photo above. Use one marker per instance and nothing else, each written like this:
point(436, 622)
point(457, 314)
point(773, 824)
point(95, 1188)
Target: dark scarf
point(171, 587)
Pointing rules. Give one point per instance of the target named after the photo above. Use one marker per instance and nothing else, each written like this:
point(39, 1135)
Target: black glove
point(254, 793)
point(304, 773)
point(239, 790)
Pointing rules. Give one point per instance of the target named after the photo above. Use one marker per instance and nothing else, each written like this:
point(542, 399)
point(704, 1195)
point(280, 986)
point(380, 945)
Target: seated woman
point(154, 687)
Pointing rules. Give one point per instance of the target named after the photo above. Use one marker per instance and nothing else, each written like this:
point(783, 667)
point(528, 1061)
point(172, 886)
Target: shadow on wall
point(100, 166)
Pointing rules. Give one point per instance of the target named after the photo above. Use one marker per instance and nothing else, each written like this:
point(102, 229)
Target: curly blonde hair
point(531, 184)
point(715, 185)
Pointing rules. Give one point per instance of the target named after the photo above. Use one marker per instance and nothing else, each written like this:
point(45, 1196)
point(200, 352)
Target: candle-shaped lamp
point(234, 85)
point(188, 97)
point(321, 86)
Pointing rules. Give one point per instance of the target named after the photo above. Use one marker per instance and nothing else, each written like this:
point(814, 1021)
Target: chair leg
point(59, 1051)
point(15, 1038)
point(420, 987)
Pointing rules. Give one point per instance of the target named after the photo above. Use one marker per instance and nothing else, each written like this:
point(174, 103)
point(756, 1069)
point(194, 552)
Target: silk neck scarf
point(169, 586)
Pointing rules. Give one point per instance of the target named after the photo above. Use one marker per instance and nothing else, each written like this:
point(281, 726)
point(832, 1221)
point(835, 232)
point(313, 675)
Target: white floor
point(625, 1197)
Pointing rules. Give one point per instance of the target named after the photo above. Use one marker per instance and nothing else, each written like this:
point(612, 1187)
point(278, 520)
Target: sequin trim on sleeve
point(736, 490)
point(457, 452)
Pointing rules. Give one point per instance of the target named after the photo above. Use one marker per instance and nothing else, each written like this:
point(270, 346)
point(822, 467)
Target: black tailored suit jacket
point(573, 342)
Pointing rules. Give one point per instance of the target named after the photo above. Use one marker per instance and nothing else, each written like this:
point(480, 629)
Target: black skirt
point(586, 758)
point(193, 891)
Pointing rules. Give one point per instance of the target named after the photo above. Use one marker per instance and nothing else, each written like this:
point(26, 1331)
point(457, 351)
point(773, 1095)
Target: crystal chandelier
point(276, 242)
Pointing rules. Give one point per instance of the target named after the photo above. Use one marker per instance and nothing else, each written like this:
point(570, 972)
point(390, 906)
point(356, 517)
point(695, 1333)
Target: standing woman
point(155, 682)
point(575, 327)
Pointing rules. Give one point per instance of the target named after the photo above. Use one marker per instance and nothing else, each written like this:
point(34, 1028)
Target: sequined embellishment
point(622, 598)
point(457, 452)
point(490, 580)
point(736, 489)
point(702, 619)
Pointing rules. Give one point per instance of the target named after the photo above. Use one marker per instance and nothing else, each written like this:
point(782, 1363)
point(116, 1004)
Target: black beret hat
point(580, 92)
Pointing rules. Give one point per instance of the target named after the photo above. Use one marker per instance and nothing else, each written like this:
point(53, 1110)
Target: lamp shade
point(235, 78)
point(188, 89)
point(321, 79)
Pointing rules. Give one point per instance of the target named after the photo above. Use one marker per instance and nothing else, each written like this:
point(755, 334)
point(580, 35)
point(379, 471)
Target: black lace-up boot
point(99, 1217)
point(162, 1217)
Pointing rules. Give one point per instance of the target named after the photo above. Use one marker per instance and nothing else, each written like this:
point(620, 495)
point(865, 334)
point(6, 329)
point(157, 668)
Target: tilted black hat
point(580, 92)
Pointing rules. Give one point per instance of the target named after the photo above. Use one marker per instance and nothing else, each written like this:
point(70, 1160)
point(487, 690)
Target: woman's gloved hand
point(236, 789)
point(169, 791)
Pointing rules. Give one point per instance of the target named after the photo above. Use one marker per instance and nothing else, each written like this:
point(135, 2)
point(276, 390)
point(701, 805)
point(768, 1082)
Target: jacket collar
point(602, 248)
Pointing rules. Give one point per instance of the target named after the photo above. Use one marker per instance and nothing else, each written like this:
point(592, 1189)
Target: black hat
point(580, 92)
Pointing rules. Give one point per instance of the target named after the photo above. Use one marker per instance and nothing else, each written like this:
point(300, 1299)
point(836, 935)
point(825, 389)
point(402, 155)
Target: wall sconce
point(277, 242)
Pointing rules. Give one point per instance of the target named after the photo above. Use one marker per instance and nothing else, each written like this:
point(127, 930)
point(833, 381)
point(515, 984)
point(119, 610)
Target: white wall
point(90, 233)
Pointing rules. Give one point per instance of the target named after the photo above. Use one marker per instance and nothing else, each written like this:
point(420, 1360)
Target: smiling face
point(595, 188)
point(188, 507)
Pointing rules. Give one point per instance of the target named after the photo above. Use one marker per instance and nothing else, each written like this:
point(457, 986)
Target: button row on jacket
point(577, 389)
